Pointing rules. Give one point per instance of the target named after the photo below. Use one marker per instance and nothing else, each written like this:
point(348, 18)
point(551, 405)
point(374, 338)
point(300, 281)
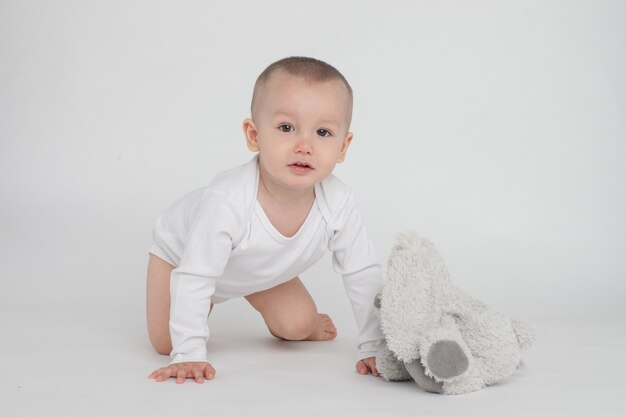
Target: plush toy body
point(445, 340)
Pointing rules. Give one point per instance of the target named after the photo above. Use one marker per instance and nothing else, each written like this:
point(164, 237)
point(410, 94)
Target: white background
point(495, 128)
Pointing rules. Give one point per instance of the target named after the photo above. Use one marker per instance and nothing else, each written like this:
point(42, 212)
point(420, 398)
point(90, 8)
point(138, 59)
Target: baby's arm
point(354, 257)
point(190, 304)
point(208, 245)
point(361, 288)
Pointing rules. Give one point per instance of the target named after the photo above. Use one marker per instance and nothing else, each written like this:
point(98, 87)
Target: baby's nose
point(304, 145)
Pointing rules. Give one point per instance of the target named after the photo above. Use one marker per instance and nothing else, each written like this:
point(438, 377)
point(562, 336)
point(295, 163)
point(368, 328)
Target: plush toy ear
point(525, 334)
point(412, 294)
point(408, 240)
point(377, 301)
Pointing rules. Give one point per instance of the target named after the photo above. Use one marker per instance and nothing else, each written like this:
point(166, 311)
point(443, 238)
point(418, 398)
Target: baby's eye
point(285, 128)
point(323, 132)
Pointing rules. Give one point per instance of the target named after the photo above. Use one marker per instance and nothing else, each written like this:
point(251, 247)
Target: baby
point(256, 227)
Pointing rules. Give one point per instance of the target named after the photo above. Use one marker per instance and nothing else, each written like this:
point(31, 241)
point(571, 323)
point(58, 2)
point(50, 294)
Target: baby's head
point(301, 113)
point(310, 70)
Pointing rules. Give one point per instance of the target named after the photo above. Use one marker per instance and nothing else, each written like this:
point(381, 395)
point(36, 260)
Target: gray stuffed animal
point(443, 339)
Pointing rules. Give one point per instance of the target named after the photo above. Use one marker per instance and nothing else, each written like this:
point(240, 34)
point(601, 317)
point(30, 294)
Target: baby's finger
point(156, 374)
point(180, 376)
point(371, 365)
point(163, 373)
point(361, 368)
point(209, 372)
point(197, 374)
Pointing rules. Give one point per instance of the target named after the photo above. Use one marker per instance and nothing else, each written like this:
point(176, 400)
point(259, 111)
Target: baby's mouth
point(301, 165)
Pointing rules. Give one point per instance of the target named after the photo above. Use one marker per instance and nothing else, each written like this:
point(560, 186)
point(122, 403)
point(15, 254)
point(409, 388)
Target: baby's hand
point(184, 370)
point(367, 365)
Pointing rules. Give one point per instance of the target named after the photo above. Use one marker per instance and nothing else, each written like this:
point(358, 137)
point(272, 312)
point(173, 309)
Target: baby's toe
point(330, 331)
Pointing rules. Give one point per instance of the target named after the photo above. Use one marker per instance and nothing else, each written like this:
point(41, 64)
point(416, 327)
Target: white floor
point(84, 363)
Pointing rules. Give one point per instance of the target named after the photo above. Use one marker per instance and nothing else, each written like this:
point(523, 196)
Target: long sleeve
point(213, 229)
point(354, 257)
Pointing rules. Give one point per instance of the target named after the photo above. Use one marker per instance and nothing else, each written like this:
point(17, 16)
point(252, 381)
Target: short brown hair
point(309, 69)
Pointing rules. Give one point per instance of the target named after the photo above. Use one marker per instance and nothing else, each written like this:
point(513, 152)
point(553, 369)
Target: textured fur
point(462, 345)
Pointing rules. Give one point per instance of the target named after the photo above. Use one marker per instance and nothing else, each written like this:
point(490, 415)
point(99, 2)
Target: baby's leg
point(290, 313)
point(158, 304)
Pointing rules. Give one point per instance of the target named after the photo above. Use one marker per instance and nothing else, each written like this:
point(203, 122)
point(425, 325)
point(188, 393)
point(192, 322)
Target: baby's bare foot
point(325, 330)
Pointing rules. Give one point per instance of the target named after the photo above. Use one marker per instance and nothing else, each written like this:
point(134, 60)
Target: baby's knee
point(164, 350)
point(164, 347)
point(297, 326)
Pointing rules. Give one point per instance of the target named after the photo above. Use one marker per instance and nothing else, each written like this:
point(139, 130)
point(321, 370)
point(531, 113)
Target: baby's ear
point(250, 132)
point(344, 148)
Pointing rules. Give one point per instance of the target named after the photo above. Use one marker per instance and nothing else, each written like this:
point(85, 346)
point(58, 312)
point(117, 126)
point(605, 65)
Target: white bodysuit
point(224, 246)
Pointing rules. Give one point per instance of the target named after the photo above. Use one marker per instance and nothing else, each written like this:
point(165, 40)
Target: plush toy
point(443, 339)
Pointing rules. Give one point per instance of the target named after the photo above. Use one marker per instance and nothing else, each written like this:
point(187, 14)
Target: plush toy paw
point(446, 359)
point(425, 382)
point(390, 367)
